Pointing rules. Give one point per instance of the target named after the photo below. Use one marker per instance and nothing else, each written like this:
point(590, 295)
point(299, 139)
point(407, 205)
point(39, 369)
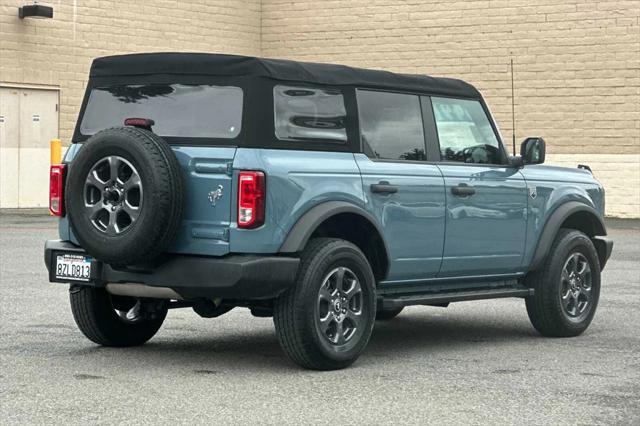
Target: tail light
point(251, 199)
point(56, 189)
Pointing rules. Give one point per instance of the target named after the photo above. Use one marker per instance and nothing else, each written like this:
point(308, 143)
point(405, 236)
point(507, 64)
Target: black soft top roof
point(204, 64)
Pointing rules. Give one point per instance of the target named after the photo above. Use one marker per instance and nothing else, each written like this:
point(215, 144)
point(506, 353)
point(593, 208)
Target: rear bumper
point(232, 277)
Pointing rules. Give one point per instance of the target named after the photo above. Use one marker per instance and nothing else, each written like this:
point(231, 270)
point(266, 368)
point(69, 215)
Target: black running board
point(397, 301)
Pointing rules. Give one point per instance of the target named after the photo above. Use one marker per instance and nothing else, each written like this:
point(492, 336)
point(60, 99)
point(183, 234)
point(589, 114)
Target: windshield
point(178, 110)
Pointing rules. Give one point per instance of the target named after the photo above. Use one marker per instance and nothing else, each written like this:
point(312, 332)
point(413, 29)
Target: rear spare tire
point(124, 195)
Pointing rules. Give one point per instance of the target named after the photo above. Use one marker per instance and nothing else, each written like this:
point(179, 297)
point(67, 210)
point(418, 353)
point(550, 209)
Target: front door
point(486, 199)
point(403, 191)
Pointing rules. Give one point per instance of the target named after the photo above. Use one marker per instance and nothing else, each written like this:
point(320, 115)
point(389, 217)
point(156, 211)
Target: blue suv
point(325, 196)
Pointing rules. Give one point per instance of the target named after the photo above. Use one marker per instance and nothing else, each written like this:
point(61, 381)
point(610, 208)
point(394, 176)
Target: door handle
point(383, 187)
point(463, 190)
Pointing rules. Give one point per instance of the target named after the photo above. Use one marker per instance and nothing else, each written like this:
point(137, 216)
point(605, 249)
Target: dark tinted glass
point(179, 110)
point(391, 125)
point(465, 132)
point(307, 114)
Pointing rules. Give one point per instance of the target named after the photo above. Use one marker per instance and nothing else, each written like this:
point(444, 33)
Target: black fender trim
point(553, 225)
point(309, 222)
point(604, 247)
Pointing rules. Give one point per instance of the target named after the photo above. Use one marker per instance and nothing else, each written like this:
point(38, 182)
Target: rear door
point(403, 191)
point(203, 124)
point(486, 198)
point(207, 205)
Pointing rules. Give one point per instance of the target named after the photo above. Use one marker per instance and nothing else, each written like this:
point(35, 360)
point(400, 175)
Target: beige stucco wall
point(577, 66)
point(59, 51)
point(577, 63)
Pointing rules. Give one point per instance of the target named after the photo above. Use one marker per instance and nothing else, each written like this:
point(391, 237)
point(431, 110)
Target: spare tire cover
point(124, 195)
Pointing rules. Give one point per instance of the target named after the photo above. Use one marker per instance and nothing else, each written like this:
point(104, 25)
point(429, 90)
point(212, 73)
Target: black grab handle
point(383, 187)
point(463, 190)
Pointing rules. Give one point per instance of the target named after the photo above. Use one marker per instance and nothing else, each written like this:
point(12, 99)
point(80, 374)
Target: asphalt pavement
point(471, 363)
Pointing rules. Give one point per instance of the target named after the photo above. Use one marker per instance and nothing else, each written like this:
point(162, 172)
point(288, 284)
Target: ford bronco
point(320, 195)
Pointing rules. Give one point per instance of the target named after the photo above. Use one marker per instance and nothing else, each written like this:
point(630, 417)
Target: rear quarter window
point(309, 114)
point(178, 110)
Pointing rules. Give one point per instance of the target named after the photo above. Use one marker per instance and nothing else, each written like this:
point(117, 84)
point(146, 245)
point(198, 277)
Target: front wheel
point(567, 287)
point(110, 320)
point(325, 321)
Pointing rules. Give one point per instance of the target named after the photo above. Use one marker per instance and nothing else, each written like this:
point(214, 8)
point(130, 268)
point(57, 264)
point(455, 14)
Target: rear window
point(179, 110)
point(309, 114)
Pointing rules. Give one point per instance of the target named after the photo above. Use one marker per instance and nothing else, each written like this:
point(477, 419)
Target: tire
point(388, 314)
point(114, 219)
point(94, 311)
point(297, 312)
point(552, 309)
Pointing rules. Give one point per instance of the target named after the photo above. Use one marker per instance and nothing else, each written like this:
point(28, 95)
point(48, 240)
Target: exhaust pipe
point(141, 290)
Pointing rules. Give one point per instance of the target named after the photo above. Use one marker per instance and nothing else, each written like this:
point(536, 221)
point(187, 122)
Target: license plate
point(73, 267)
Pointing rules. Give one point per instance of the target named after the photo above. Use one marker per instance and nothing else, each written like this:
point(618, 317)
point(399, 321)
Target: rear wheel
point(110, 320)
point(567, 287)
point(325, 321)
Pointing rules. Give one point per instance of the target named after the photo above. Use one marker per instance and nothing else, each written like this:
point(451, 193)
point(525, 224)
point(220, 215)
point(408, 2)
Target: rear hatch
point(202, 123)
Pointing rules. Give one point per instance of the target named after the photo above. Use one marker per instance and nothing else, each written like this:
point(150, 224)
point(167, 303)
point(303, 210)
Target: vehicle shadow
point(433, 336)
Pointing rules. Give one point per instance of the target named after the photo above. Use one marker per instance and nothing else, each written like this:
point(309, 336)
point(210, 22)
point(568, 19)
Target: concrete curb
point(25, 212)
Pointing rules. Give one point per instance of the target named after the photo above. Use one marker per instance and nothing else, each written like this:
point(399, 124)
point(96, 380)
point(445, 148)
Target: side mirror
point(532, 151)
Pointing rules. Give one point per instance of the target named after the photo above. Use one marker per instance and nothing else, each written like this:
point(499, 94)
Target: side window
point(465, 132)
point(309, 114)
point(391, 125)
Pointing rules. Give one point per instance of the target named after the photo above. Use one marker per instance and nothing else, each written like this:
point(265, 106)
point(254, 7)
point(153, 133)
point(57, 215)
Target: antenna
point(513, 112)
